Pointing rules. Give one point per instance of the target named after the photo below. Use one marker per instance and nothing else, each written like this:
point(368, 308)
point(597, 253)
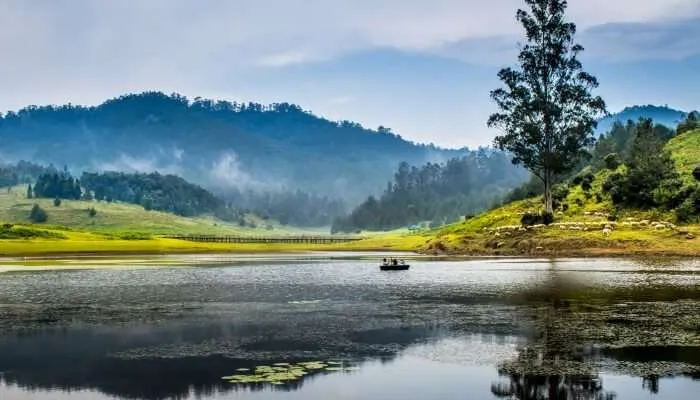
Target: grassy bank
point(578, 232)
point(28, 241)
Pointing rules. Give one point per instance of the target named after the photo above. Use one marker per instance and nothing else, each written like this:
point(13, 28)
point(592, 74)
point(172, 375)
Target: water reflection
point(501, 330)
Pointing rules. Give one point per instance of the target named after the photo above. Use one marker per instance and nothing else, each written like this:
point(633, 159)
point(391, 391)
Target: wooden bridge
point(266, 239)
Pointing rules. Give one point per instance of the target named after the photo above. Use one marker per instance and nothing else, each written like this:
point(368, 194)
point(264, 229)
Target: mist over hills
point(215, 143)
point(277, 160)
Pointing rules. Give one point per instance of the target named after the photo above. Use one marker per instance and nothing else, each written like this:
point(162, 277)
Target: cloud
point(226, 171)
point(285, 58)
point(84, 51)
point(127, 163)
point(644, 41)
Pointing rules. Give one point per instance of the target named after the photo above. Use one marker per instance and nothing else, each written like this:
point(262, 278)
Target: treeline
point(436, 193)
point(296, 208)
point(56, 185)
point(169, 193)
point(23, 172)
point(269, 141)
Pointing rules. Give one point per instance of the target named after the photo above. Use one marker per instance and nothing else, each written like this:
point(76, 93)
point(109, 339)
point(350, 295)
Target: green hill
point(117, 217)
point(685, 151)
point(581, 219)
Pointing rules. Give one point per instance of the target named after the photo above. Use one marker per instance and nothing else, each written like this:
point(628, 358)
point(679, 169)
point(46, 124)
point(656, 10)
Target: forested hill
point(436, 193)
point(661, 115)
point(214, 143)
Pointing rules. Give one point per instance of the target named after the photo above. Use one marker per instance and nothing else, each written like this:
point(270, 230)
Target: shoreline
point(92, 252)
point(552, 244)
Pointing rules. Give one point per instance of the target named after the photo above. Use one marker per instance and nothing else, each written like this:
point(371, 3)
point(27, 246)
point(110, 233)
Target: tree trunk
point(548, 192)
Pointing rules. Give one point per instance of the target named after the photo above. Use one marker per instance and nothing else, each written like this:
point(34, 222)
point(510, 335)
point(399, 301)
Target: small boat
point(391, 267)
point(394, 265)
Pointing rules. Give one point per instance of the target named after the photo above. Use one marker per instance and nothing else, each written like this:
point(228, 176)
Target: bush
point(612, 161)
point(38, 215)
point(559, 193)
point(696, 173)
point(92, 212)
point(547, 218)
point(585, 177)
point(689, 210)
point(56, 202)
point(529, 219)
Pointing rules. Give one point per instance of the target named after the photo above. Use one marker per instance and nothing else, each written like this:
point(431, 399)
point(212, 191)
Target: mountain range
point(232, 147)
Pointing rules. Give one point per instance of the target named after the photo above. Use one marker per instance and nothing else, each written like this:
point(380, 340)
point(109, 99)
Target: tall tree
point(547, 112)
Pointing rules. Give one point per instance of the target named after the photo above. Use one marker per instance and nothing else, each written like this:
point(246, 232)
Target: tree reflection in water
point(552, 366)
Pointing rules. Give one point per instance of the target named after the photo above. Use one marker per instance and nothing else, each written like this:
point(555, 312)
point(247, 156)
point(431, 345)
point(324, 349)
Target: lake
point(332, 326)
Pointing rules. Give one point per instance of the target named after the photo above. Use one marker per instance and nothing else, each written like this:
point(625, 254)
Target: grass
point(474, 236)
point(685, 150)
point(122, 219)
point(124, 228)
point(64, 242)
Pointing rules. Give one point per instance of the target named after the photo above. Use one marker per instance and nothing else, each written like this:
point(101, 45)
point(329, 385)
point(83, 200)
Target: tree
point(57, 202)
point(547, 111)
point(30, 193)
point(612, 161)
point(38, 215)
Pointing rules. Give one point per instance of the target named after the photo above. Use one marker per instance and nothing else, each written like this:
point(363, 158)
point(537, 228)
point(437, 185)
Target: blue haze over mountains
point(223, 145)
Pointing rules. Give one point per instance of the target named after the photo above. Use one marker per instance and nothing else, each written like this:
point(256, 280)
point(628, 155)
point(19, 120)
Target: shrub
point(92, 212)
point(529, 219)
point(696, 173)
point(38, 215)
point(612, 161)
point(584, 177)
point(57, 202)
point(559, 193)
point(547, 218)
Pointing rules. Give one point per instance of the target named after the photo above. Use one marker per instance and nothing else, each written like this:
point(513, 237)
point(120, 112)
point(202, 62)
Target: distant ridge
point(662, 115)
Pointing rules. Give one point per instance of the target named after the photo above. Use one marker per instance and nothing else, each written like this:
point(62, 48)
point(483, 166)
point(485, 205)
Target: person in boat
point(385, 262)
point(395, 261)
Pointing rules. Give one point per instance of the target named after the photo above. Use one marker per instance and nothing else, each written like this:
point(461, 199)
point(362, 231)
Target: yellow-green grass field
point(71, 242)
point(129, 229)
point(120, 218)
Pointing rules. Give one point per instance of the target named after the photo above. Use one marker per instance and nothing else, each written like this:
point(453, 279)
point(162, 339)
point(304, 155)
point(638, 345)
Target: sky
point(424, 68)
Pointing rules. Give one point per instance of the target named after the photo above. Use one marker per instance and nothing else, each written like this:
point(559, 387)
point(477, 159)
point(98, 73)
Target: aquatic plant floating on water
point(280, 373)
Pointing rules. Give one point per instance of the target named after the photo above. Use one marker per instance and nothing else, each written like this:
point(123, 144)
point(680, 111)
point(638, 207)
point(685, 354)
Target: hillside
point(585, 210)
point(121, 218)
point(215, 143)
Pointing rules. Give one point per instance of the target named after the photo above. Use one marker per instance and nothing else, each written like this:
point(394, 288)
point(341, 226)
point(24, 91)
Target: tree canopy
point(547, 112)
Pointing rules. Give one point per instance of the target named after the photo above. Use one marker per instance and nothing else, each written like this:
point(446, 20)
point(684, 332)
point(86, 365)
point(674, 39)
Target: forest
point(217, 144)
point(435, 193)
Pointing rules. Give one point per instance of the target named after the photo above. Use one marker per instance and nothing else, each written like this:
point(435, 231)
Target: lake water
point(445, 329)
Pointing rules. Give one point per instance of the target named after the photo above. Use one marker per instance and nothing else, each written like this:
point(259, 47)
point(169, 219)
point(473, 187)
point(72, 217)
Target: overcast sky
point(422, 67)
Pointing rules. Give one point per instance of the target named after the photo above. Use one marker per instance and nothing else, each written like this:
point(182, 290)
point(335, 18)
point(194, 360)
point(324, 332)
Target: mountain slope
point(120, 217)
point(587, 205)
point(217, 144)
